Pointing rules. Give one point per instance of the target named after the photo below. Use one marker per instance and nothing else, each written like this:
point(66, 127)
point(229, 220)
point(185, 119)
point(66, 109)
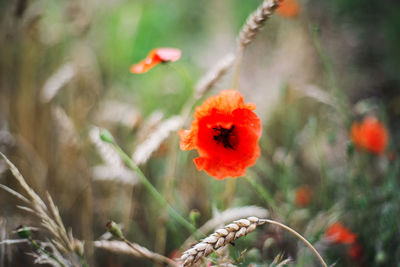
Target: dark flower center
point(223, 136)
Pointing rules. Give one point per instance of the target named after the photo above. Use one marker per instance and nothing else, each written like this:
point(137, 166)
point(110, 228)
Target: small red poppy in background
point(155, 57)
point(175, 254)
point(302, 196)
point(225, 132)
point(339, 234)
point(355, 252)
point(370, 135)
point(391, 155)
point(288, 8)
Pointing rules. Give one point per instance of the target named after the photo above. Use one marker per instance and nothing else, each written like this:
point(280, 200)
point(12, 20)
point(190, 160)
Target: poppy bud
point(194, 215)
point(23, 232)
point(114, 229)
point(106, 136)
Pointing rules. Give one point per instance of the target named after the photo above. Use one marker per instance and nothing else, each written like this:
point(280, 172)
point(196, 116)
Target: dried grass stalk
point(135, 251)
point(279, 261)
point(43, 258)
point(213, 75)
point(50, 217)
point(232, 232)
point(256, 21)
point(220, 238)
point(3, 237)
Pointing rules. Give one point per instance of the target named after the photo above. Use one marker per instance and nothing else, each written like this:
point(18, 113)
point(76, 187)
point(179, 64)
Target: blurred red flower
point(370, 135)
point(355, 252)
point(391, 155)
point(288, 8)
point(155, 57)
point(175, 254)
point(339, 234)
point(225, 132)
point(302, 196)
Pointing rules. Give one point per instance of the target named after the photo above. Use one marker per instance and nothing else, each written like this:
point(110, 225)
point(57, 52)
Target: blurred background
point(64, 70)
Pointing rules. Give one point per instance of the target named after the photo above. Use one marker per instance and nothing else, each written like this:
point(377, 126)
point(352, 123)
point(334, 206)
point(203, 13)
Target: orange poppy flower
point(302, 196)
point(288, 8)
point(155, 57)
point(370, 135)
point(339, 234)
point(225, 132)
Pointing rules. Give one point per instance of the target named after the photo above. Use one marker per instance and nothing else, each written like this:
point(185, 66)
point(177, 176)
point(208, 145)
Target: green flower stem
point(263, 193)
point(83, 261)
point(184, 76)
point(343, 105)
point(128, 161)
point(36, 245)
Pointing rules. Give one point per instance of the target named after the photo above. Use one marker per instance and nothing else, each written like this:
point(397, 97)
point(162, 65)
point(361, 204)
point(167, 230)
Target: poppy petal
point(225, 133)
point(188, 139)
point(144, 65)
point(217, 169)
point(288, 8)
point(155, 57)
point(370, 135)
point(338, 233)
point(168, 54)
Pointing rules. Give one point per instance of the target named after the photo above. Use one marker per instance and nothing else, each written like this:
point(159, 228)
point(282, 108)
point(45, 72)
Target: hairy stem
point(106, 136)
point(159, 257)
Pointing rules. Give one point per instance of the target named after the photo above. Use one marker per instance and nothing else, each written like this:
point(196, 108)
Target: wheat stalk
point(213, 75)
point(54, 226)
point(256, 21)
point(135, 250)
point(227, 216)
point(231, 232)
point(248, 33)
point(220, 238)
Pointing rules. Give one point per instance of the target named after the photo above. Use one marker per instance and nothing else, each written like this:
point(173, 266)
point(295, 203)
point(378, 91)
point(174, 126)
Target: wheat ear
point(232, 232)
point(249, 31)
point(220, 238)
point(256, 21)
point(247, 34)
point(213, 75)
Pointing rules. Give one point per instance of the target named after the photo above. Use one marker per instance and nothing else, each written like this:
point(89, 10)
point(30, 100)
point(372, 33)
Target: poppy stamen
point(223, 135)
